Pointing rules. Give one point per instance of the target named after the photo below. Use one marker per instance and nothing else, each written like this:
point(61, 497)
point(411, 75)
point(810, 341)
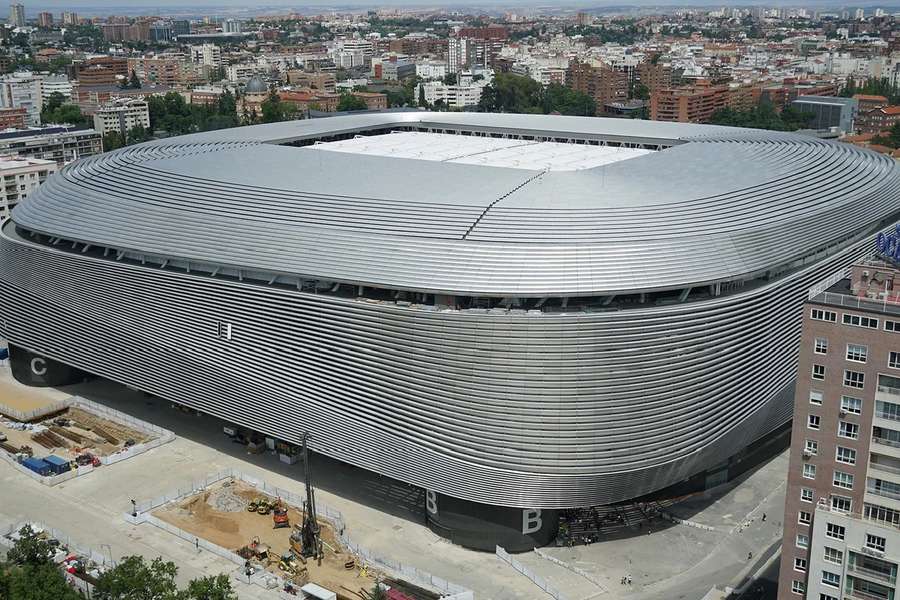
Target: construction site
point(285, 536)
point(71, 433)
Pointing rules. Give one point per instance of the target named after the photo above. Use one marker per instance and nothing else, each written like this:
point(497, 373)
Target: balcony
point(891, 391)
point(871, 574)
point(884, 468)
point(883, 414)
point(861, 595)
point(871, 489)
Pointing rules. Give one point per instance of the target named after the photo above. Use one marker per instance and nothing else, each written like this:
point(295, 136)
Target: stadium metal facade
point(539, 313)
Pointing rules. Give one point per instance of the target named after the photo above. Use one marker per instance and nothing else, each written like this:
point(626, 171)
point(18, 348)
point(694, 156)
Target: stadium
point(515, 313)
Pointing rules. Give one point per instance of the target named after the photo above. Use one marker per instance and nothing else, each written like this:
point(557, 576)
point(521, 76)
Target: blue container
point(57, 465)
point(38, 465)
point(4, 353)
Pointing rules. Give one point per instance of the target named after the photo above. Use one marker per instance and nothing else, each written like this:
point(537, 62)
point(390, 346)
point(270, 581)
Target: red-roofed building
point(878, 119)
point(869, 102)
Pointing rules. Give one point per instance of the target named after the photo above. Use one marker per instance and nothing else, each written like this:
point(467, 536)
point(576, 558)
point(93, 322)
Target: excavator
point(280, 515)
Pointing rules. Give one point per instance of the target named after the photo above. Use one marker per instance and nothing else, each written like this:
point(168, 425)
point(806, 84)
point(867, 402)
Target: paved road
point(676, 562)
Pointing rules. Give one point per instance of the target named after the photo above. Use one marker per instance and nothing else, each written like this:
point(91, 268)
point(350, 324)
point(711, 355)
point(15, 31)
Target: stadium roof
point(717, 204)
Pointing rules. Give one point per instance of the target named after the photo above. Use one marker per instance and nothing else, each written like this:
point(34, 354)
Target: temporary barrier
point(334, 517)
point(534, 577)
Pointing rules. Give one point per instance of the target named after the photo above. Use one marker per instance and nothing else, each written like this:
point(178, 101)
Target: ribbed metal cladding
point(532, 411)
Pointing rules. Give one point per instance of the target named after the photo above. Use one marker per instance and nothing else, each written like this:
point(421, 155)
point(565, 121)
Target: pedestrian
point(764, 517)
point(749, 555)
point(629, 580)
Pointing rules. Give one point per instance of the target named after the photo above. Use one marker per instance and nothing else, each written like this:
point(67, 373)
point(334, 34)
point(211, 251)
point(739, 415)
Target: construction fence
point(161, 436)
point(539, 581)
point(449, 590)
point(63, 538)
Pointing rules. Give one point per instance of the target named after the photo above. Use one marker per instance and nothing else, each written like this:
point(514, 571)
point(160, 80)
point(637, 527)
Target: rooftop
point(485, 151)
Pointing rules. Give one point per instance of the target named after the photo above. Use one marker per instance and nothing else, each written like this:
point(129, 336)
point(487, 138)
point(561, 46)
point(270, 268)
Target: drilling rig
point(311, 542)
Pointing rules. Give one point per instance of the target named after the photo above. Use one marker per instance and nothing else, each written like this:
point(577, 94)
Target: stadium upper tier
point(645, 207)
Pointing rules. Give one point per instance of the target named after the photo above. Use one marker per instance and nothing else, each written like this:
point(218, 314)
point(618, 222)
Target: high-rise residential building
point(231, 26)
point(60, 144)
point(600, 82)
point(122, 116)
point(475, 47)
point(45, 19)
point(859, 14)
point(692, 104)
point(20, 177)
point(207, 55)
point(22, 90)
point(842, 508)
point(17, 15)
point(69, 18)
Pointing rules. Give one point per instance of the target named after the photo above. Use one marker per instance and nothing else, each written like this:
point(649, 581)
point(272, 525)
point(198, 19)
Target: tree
point(136, 135)
point(349, 102)
point(517, 94)
point(211, 588)
point(112, 140)
point(134, 579)
point(35, 582)
point(30, 549)
point(274, 110)
point(133, 81)
point(30, 574)
point(450, 79)
point(422, 101)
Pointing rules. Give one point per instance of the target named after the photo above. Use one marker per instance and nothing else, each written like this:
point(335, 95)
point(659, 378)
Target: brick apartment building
point(695, 104)
point(878, 119)
point(601, 83)
point(842, 506)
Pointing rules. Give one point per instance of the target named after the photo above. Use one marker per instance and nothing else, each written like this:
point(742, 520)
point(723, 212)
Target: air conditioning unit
point(807, 455)
point(865, 274)
point(843, 413)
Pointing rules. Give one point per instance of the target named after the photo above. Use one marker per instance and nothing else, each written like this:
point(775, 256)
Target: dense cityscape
point(445, 303)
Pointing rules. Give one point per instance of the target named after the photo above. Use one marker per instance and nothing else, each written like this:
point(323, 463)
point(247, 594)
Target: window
point(892, 326)
point(806, 495)
point(848, 430)
point(823, 315)
point(831, 579)
point(857, 352)
point(816, 397)
point(809, 471)
point(798, 587)
point(835, 532)
point(834, 556)
point(224, 330)
point(804, 517)
point(841, 503)
point(894, 360)
point(818, 372)
point(845, 455)
point(875, 542)
point(813, 421)
point(802, 540)
point(812, 447)
point(881, 514)
point(827, 597)
point(843, 480)
point(800, 564)
point(851, 405)
point(858, 321)
point(821, 346)
point(887, 410)
point(853, 379)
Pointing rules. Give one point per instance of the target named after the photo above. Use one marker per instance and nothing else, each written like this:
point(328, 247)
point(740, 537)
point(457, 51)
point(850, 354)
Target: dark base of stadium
point(469, 524)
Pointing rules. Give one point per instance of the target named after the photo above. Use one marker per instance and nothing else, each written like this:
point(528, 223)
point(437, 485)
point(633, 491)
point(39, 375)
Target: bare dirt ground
point(219, 515)
point(85, 435)
point(18, 397)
